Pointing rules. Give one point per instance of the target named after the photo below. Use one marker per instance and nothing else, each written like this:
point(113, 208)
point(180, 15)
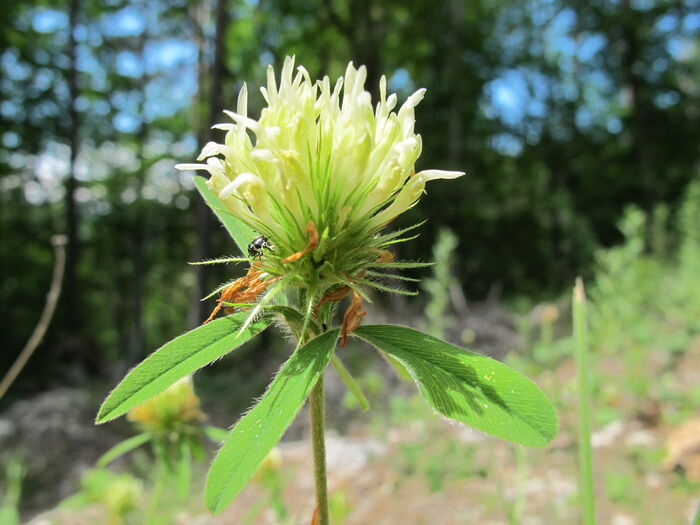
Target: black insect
point(256, 247)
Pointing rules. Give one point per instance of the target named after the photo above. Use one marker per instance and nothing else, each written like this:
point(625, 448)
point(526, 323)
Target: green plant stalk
point(518, 508)
point(585, 481)
point(350, 383)
point(154, 500)
point(319, 450)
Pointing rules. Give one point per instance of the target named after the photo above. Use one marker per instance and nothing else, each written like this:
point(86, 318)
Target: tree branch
point(58, 242)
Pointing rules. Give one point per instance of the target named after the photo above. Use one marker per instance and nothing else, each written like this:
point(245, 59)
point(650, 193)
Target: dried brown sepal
point(243, 290)
point(352, 318)
point(314, 518)
point(313, 242)
point(331, 296)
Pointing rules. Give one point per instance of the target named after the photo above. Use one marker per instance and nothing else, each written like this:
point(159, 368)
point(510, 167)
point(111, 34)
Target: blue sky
point(514, 96)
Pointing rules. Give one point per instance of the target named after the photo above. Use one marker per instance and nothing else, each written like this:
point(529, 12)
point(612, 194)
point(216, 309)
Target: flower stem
point(319, 450)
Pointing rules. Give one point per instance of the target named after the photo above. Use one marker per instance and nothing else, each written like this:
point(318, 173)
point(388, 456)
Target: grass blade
point(585, 456)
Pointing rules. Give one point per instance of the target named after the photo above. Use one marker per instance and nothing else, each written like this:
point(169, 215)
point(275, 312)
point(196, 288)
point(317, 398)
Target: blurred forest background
point(562, 113)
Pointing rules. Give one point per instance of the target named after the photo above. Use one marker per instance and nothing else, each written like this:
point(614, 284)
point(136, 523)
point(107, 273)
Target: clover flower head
point(174, 408)
point(320, 173)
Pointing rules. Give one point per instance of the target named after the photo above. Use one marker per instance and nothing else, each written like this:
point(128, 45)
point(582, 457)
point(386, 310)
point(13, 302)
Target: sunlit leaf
point(258, 431)
point(180, 357)
point(467, 387)
point(239, 231)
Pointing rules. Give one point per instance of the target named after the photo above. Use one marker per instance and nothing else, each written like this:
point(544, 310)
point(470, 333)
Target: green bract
point(325, 173)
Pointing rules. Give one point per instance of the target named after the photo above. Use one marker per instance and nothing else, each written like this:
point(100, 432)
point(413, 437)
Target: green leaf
point(122, 448)
point(467, 387)
point(239, 231)
point(261, 428)
point(180, 357)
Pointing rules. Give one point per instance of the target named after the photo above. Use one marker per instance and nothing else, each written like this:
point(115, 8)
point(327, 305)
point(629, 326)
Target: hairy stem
point(319, 450)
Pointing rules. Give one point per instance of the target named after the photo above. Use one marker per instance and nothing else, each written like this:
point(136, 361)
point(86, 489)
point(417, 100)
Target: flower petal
point(439, 174)
point(191, 167)
point(242, 178)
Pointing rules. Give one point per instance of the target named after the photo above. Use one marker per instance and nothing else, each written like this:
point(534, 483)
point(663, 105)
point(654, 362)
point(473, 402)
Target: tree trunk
point(367, 40)
point(199, 310)
point(136, 339)
point(71, 294)
point(454, 123)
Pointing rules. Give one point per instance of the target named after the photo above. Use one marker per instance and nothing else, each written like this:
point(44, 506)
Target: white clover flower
point(323, 162)
point(320, 154)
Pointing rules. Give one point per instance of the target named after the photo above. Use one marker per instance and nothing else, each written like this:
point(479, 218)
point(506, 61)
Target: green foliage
point(259, 430)
point(649, 298)
point(171, 423)
point(437, 316)
point(548, 175)
point(119, 494)
point(180, 357)
point(642, 300)
point(531, 214)
point(434, 461)
point(468, 387)
point(9, 503)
